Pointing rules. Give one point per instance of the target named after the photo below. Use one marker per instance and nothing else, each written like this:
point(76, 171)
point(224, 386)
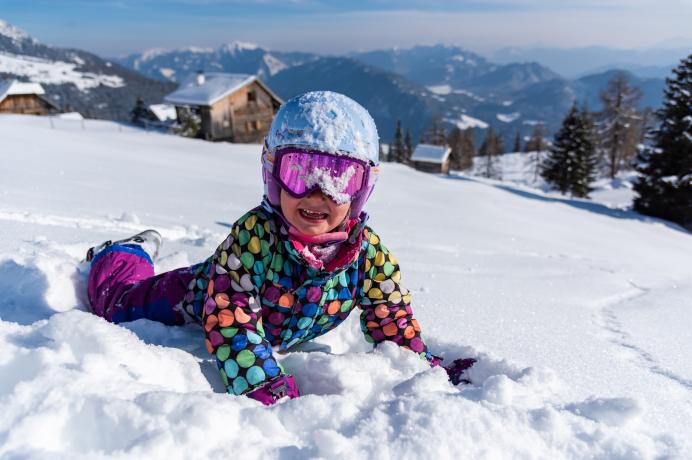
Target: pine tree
point(455, 141)
point(618, 123)
point(665, 185)
point(571, 161)
point(517, 142)
point(408, 145)
point(397, 148)
point(585, 159)
point(491, 148)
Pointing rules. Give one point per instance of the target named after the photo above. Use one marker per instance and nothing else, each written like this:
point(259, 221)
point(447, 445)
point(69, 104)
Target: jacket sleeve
point(232, 314)
point(386, 304)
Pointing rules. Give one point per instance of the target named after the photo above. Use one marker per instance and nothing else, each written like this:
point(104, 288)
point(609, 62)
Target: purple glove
point(454, 370)
point(276, 389)
point(457, 368)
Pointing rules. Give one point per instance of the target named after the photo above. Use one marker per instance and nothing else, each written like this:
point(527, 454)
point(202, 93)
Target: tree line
point(589, 145)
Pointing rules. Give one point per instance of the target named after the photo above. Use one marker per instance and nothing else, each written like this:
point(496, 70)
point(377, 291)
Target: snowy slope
point(579, 315)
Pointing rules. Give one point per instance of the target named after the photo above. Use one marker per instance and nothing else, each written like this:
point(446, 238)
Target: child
point(291, 269)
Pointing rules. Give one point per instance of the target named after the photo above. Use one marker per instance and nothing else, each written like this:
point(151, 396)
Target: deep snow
point(579, 314)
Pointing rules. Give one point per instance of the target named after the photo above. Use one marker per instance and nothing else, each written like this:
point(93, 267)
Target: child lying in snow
point(291, 269)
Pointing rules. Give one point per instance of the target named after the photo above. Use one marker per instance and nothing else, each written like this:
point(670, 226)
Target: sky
point(119, 27)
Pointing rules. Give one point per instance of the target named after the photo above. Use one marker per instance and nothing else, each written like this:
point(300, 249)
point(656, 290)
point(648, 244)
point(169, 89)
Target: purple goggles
point(301, 171)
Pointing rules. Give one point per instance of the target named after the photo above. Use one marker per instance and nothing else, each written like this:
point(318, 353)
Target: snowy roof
point(14, 87)
point(163, 112)
point(216, 86)
point(431, 153)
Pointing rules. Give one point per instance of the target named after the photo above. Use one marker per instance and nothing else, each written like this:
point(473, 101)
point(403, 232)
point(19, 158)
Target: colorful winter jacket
point(257, 292)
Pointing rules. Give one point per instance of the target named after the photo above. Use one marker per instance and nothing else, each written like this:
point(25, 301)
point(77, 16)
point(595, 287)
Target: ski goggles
point(300, 172)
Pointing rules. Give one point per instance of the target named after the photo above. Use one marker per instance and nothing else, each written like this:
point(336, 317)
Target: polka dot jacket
point(257, 292)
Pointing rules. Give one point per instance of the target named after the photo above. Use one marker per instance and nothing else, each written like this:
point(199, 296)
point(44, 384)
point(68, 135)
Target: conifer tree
point(517, 142)
point(455, 141)
point(665, 185)
point(408, 145)
point(397, 148)
point(571, 161)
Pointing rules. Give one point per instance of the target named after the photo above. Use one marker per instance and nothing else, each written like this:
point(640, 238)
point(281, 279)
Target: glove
point(276, 389)
point(456, 370)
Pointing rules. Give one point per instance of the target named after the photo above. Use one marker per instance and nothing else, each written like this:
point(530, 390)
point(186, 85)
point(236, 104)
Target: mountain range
point(412, 85)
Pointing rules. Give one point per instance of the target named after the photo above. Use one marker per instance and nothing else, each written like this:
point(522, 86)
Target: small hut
point(431, 158)
point(231, 107)
point(24, 98)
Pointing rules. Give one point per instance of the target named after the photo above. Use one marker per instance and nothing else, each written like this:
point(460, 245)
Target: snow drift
point(578, 313)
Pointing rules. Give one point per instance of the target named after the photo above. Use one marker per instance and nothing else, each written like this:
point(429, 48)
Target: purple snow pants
point(122, 287)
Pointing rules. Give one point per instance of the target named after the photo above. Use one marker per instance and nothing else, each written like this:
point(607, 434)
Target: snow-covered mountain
point(578, 313)
point(412, 85)
point(235, 57)
point(74, 79)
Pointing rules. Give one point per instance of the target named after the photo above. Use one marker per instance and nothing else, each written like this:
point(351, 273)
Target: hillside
point(76, 80)
point(579, 315)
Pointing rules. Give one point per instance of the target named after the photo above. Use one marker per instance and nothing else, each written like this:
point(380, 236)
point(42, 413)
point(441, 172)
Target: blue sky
point(117, 27)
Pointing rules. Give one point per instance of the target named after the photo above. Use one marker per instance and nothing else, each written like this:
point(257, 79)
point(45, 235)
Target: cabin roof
point(431, 153)
point(163, 112)
point(216, 86)
point(16, 88)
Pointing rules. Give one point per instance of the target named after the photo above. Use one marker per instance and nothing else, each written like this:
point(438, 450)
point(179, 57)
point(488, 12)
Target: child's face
point(314, 214)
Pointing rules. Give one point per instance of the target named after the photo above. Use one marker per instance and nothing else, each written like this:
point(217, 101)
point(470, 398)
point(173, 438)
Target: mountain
point(429, 65)
point(75, 79)
point(235, 57)
point(386, 95)
point(576, 62)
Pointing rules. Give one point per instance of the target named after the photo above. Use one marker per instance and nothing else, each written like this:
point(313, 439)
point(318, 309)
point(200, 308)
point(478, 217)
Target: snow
point(441, 90)
point(167, 72)
point(520, 168)
point(578, 313)
point(508, 117)
point(238, 46)
point(216, 86)
point(164, 112)
point(70, 116)
point(55, 72)
point(467, 121)
point(15, 88)
point(430, 153)
point(273, 64)
point(328, 121)
point(12, 32)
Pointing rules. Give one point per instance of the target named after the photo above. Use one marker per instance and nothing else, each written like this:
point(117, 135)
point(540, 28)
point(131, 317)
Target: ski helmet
point(327, 122)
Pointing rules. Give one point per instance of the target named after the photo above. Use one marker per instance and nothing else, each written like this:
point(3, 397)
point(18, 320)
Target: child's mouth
point(313, 216)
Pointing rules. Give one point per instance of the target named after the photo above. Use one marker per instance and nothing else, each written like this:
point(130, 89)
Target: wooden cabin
point(230, 107)
point(24, 98)
point(431, 158)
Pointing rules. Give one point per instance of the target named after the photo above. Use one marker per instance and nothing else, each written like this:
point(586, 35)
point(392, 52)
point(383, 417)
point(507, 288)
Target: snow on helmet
point(327, 122)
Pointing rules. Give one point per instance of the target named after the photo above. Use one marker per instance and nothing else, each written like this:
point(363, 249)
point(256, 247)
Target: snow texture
point(467, 121)
point(578, 314)
point(163, 112)
point(334, 186)
point(326, 121)
point(39, 70)
point(216, 86)
point(508, 117)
